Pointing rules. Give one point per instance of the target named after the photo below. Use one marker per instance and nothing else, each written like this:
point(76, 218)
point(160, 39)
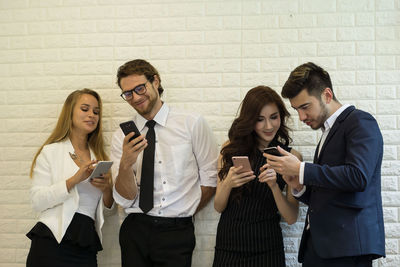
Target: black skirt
point(78, 247)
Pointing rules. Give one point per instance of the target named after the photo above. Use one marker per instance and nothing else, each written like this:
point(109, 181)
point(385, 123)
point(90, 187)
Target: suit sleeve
point(363, 149)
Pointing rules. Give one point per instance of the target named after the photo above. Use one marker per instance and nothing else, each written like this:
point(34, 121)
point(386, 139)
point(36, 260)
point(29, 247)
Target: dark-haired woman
point(252, 203)
point(70, 205)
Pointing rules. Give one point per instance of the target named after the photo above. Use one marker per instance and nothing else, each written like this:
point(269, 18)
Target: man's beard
point(322, 117)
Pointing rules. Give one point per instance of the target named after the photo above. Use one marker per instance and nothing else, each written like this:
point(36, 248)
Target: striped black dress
point(248, 231)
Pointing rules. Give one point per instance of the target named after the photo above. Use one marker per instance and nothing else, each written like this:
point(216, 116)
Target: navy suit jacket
point(344, 190)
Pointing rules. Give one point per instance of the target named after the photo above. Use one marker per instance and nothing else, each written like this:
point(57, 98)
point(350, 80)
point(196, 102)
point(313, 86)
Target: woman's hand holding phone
point(82, 174)
point(235, 178)
point(240, 173)
point(103, 183)
point(267, 176)
point(85, 170)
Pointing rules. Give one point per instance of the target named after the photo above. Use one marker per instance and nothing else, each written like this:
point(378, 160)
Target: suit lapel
point(316, 152)
point(332, 131)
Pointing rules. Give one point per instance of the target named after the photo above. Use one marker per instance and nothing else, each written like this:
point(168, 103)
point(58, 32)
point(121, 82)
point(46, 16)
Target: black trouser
point(148, 241)
point(311, 259)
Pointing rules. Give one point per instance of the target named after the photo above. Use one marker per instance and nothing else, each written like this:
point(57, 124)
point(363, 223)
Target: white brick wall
point(209, 53)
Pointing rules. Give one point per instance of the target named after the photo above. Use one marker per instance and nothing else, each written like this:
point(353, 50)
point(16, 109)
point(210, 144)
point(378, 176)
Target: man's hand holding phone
point(133, 144)
point(285, 164)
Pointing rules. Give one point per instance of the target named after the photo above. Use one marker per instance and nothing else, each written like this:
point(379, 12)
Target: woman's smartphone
point(242, 161)
point(128, 127)
point(272, 151)
point(102, 167)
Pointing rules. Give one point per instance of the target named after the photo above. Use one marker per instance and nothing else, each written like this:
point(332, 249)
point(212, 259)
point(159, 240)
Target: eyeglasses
point(139, 90)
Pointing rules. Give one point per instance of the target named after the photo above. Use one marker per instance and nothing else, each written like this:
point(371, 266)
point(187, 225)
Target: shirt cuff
point(301, 173)
point(296, 193)
point(208, 178)
point(120, 200)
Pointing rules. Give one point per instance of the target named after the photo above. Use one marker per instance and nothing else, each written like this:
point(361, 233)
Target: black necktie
point(147, 179)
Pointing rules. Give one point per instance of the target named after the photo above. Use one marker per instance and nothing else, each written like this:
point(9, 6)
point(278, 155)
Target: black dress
point(248, 231)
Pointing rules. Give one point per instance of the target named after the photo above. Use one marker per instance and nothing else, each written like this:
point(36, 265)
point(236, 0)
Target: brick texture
point(209, 54)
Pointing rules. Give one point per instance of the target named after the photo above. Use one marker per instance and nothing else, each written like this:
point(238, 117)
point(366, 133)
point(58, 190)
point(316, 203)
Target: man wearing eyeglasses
point(180, 148)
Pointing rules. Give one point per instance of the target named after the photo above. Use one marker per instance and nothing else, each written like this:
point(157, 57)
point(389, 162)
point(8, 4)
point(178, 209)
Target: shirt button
point(164, 182)
point(159, 212)
point(163, 199)
point(160, 162)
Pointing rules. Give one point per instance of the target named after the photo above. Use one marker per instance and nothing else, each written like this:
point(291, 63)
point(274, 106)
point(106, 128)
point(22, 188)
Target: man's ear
point(327, 95)
point(156, 82)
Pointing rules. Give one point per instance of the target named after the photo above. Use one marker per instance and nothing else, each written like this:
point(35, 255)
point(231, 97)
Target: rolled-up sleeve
point(123, 202)
point(205, 149)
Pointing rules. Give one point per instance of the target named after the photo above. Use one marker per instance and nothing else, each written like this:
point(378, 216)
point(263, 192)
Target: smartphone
point(102, 167)
point(128, 127)
point(242, 161)
point(272, 151)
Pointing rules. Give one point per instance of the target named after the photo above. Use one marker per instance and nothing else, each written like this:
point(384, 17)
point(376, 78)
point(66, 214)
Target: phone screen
point(102, 167)
point(128, 127)
point(242, 161)
point(272, 151)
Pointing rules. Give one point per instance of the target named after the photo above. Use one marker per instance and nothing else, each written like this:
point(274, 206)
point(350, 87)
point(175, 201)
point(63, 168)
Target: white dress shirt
point(185, 159)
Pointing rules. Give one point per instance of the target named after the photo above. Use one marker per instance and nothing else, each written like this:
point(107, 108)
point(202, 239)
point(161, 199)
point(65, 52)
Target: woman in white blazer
point(70, 205)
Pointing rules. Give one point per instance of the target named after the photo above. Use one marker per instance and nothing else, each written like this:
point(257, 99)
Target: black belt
point(162, 220)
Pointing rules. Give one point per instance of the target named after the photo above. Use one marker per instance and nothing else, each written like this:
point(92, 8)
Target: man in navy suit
point(342, 187)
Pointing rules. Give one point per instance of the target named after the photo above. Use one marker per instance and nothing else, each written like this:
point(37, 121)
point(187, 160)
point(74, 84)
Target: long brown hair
point(242, 137)
point(64, 126)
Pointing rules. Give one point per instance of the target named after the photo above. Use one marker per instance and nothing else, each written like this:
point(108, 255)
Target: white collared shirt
point(185, 158)
point(325, 131)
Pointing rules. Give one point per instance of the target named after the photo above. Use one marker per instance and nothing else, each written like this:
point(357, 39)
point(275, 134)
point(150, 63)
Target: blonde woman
point(70, 205)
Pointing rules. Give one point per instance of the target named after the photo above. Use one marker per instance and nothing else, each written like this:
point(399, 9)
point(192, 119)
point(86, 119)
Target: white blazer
point(49, 194)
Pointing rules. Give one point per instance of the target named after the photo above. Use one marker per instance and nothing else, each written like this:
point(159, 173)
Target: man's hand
point(125, 182)
point(131, 150)
point(286, 165)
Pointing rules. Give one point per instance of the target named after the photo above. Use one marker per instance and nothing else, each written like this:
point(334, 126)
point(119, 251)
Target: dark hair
point(243, 138)
point(308, 76)
point(139, 67)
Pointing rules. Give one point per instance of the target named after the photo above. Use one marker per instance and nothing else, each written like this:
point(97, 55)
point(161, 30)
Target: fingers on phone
point(264, 167)
point(248, 176)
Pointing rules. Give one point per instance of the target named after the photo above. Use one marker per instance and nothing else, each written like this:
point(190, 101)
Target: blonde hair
point(64, 126)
